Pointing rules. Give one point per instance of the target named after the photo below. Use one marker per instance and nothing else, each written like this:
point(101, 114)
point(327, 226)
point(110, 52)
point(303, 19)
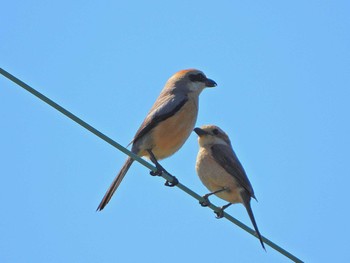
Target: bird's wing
point(165, 106)
point(226, 157)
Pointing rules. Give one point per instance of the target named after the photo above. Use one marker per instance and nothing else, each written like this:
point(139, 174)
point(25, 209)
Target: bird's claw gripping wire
point(173, 182)
point(220, 212)
point(160, 170)
point(156, 173)
point(206, 201)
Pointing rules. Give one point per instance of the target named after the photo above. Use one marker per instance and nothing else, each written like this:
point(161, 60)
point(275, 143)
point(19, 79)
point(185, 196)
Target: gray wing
point(165, 106)
point(226, 157)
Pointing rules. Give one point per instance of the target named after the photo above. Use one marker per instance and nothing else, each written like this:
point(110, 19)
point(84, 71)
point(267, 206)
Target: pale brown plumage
point(168, 124)
point(220, 170)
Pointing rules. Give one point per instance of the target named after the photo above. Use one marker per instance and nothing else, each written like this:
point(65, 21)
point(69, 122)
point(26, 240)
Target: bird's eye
point(216, 131)
point(197, 77)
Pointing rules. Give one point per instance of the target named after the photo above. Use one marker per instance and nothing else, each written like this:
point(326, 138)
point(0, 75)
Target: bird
point(222, 173)
point(167, 125)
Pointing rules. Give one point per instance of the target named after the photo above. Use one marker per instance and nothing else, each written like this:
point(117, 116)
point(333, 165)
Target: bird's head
point(211, 134)
point(190, 80)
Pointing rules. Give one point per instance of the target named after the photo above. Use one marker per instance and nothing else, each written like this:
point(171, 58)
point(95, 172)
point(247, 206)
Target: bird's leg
point(220, 213)
point(206, 201)
point(160, 170)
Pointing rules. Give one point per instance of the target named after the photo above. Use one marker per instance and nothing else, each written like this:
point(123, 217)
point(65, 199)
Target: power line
point(141, 161)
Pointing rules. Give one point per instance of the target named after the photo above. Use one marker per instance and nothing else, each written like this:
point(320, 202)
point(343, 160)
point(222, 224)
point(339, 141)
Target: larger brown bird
point(167, 125)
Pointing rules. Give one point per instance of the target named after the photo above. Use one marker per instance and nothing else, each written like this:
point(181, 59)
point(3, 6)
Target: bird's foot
point(156, 173)
point(220, 213)
point(160, 170)
point(206, 201)
point(172, 183)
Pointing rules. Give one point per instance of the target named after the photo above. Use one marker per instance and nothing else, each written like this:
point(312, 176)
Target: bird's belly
point(169, 135)
point(214, 177)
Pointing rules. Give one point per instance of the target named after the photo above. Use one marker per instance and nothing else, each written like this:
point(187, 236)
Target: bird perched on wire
point(221, 172)
point(167, 125)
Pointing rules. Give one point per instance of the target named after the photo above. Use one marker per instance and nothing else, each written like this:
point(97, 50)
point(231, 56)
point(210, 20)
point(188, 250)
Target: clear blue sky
point(283, 92)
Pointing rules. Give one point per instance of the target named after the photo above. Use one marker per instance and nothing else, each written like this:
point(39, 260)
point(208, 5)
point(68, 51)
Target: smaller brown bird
point(221, 172)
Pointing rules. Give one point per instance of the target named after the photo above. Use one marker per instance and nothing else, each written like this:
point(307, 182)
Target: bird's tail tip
point(99, 209)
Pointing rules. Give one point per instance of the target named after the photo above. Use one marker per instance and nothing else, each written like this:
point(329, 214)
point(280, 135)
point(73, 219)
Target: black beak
point(210, 83)
point(200, 132)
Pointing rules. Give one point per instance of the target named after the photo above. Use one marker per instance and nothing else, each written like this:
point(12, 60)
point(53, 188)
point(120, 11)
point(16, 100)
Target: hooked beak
point(210, 83)
point(200, 132)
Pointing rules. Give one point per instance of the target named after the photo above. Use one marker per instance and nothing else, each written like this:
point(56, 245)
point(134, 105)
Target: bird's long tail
point(246, 200)
point(116, 182)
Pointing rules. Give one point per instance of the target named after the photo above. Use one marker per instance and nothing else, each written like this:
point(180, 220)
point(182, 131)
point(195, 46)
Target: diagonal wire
point(142, 161)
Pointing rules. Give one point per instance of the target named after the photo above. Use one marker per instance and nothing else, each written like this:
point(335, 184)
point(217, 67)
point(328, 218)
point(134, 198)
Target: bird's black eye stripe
point(197, 77)
point(216, 131)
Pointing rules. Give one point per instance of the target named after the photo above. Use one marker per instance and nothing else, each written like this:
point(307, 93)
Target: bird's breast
point(215, 177)
point(169, 135)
